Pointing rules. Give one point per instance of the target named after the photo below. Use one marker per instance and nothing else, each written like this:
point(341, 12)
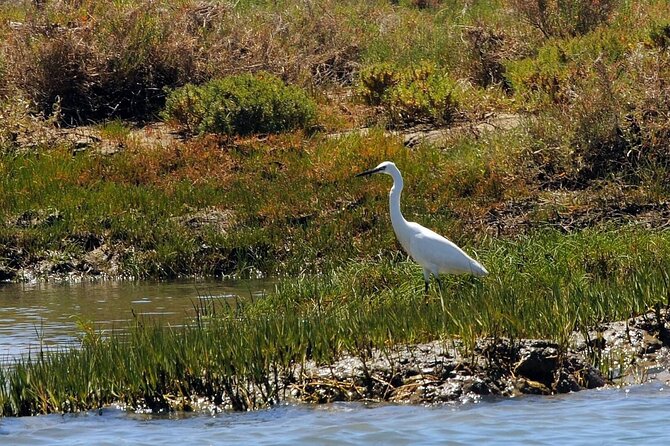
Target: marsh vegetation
point(567, 208)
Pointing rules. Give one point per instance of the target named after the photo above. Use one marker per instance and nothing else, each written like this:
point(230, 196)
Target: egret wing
point(439, 254)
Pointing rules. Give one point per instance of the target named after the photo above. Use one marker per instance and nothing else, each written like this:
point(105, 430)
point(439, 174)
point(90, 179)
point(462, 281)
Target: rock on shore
point(436, 372)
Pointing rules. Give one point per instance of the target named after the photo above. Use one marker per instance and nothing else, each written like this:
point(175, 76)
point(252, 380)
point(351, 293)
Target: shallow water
point(48, 313)
point(635, 415)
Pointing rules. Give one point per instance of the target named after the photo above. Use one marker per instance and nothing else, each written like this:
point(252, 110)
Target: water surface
point(48, 313)
point(632, 416)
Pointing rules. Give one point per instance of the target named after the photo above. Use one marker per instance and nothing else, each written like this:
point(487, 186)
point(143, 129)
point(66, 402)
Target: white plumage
point(429, 249)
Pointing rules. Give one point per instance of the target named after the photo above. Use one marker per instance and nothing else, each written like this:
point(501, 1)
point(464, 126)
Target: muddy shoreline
point(629, 352)
point(620, 353)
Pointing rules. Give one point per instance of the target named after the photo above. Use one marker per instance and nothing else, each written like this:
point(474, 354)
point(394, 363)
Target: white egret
point(429, 249)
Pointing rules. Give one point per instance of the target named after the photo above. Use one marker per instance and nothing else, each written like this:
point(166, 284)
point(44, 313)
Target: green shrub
point(241, 105)
point(549, 77)
point(421, 94)
point(376, 81)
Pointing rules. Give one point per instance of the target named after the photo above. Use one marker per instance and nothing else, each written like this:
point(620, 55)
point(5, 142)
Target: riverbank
point(618, 354)
point(365, 332)
point(112, 214)
point(625, 352)
point(499, 122)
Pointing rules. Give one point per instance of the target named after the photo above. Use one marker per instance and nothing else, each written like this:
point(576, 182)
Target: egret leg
point(439, 286)
point(426, 280)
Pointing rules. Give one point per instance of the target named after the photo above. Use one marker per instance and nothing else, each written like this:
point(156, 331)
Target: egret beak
point(370, 172)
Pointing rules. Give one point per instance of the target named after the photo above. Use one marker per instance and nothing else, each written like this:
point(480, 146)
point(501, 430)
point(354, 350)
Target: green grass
point(543, 286)
point(295, 203)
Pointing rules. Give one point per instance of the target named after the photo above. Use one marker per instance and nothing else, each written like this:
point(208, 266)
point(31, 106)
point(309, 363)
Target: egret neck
point(397, 220)
point(400, 225)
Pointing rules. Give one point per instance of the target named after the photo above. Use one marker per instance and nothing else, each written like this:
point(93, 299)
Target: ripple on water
point(48, 313)
point(636, 415)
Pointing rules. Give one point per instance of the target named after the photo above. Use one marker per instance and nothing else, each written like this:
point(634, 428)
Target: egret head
point(386, 167)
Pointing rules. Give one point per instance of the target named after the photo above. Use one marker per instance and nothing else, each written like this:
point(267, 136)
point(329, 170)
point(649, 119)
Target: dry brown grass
point(565, 18)
point(198, 162)
point(102, 62)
